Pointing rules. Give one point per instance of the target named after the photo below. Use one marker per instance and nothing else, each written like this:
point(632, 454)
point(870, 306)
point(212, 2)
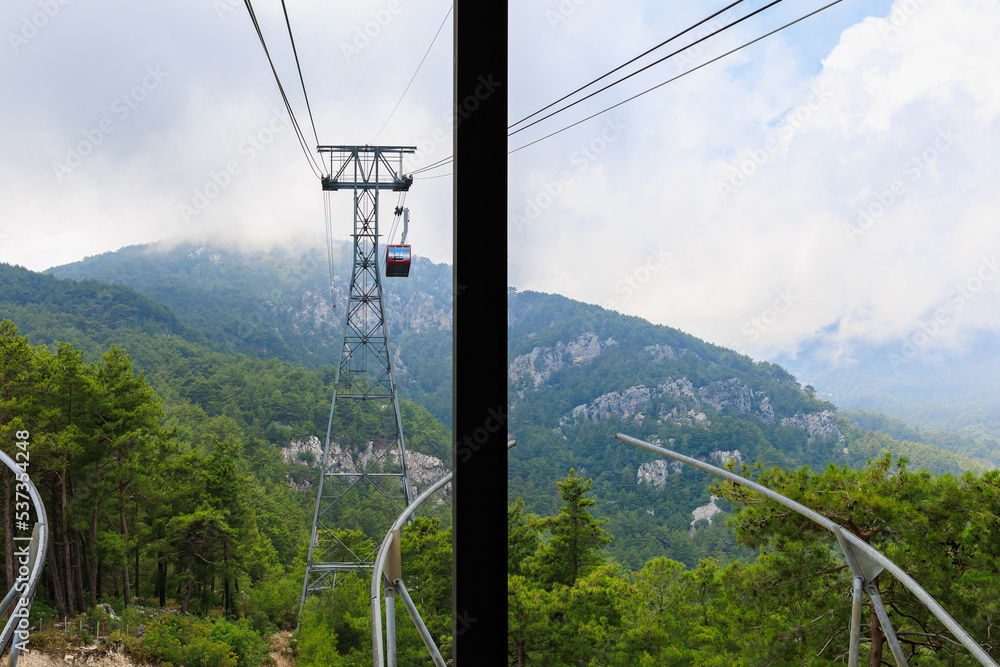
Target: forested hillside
point(578, 374)
point(619, 557)
point(180, 475)
point(278, 304)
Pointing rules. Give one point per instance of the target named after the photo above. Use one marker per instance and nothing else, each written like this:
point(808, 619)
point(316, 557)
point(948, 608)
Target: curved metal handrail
point(383, 554)
point(855, 542)
point(40, 544)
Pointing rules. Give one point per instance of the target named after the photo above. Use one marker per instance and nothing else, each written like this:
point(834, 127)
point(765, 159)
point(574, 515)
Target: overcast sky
point(128, 123)
point(838, 179)
point(833, 180)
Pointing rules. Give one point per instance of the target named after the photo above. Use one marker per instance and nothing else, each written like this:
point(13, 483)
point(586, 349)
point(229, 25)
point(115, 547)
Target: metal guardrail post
point(390, 625)
point(864, 555)
point(883, 619)
point(380, 561)
point(852, 660)
point(425, 635)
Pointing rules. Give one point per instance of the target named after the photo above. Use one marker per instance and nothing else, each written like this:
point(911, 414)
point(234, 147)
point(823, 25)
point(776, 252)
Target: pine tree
point(576, 536)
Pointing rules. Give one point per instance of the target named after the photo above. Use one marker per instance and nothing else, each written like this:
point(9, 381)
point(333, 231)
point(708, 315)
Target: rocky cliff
point(423, 469)
point(536, 367)
point(679, 401)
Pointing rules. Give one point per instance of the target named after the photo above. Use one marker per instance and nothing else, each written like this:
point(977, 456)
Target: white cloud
point(215, 93)
point(897, 130)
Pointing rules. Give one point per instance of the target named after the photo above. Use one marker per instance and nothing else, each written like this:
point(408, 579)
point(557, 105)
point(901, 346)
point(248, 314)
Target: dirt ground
point(280, 652)
point(95, 656)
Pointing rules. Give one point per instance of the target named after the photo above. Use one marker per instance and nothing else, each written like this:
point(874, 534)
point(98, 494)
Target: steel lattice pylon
point(364, 456)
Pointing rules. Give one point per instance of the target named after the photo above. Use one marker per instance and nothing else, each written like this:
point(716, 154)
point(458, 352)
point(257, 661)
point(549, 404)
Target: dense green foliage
point(137, 509)
point(163, 469)
point(791, 605)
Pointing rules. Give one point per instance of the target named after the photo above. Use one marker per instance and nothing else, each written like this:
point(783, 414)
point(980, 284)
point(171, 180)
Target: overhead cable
point(299, 67)
point(433, 165)
point(709, 62)
point(625, 64)
point(313, 165)
point(414, 74)
point(643, 69)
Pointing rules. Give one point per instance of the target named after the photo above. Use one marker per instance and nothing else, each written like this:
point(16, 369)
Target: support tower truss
point(365, 481)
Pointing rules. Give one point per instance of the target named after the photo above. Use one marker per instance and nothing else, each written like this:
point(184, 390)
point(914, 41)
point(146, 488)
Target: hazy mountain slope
point(277, 304)
point(930, 387)
point(270, 400)
point(90, 312)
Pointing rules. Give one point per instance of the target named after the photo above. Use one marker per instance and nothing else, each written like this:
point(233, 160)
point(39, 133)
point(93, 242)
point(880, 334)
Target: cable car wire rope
point(391, 113)
point(395, 219)
point(295, 124)
point(625, 64)
point(329, 246)
point(299, 67)
point(433, 165)
point(694, 69)
point(443, 161)
point(646, 67)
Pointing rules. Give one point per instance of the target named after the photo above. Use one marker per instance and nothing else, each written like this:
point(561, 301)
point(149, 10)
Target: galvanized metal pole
point(370, 467)
point(417, 621)
point(390, 626)
point(852, 660)
point(36, 560)
point(883, 619)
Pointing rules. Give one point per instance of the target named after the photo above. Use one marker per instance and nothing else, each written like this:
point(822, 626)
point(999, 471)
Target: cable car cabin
point(397, 261)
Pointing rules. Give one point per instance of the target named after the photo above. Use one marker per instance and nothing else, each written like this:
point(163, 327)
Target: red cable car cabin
point(397, 261)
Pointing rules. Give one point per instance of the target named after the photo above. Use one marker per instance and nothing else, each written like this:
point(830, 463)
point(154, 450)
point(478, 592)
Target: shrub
point(250, 647)
point(187, 641)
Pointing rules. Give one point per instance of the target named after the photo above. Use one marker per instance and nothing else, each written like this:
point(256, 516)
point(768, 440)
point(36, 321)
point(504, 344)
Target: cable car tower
point(364, 484)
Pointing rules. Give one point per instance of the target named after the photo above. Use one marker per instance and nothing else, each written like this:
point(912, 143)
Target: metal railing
point(394, 585)
point(864, 561)
point(23, 589)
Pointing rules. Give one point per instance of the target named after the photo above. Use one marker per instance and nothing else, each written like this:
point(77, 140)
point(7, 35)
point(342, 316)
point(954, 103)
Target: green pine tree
point(576, 536)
